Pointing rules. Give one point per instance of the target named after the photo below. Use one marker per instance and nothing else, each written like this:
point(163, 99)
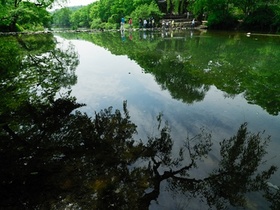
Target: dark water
point(210, 80)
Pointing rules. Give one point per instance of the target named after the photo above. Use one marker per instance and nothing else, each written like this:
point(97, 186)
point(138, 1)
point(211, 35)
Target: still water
point(195, 79)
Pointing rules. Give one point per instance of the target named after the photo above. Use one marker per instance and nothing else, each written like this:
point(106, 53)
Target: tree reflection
point(188, 63)
point(33, 67)
point(167, 59)
point(54, 158)
point(274, 198)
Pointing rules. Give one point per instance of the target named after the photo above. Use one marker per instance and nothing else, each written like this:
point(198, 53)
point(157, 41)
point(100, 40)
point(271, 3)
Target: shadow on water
point(53, 157)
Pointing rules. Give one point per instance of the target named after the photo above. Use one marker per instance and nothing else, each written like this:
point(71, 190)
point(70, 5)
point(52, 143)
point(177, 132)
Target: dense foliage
point(221, 14)
point(107, 14)
point(258, 15)
point(242, 13)
point(17, 15)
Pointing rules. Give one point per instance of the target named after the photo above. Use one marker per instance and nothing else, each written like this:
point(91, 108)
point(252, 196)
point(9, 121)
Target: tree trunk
point(13, 24)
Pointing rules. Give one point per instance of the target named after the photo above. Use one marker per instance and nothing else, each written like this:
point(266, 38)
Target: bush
point(222, 20)
point(264, 18)
point(146, 11)
point(95, 24)
point(110, 25)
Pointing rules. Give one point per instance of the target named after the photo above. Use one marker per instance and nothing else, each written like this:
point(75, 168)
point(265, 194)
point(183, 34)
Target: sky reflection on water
point(107, 80)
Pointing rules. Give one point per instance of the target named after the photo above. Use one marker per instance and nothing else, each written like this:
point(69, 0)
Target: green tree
point(17, 14)
point(176, 7)
point(264, 18)
point(219, 13)
point(146, 11)
point(61, 18)
point(223, 14)
point(249, 6)
point(107, 11)
point(104, 9)
point(81, 17)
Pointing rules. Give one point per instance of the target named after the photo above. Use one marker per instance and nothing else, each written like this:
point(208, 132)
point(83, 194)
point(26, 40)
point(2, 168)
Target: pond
point(196, 81)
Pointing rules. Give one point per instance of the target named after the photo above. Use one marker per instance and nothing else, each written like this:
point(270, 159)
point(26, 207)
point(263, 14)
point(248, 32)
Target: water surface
point(216, 80)
point(196, 79)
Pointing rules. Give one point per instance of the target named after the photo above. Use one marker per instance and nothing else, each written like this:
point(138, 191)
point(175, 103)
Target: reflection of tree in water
point(181, 83)
point(166, 59)
point(52, 158)
point(32, 68)
point(188, 64)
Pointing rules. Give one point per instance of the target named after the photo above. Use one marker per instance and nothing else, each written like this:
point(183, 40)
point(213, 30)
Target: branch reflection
point(54, 158)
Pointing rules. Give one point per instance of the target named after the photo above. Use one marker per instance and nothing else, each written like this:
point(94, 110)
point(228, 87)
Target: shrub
point(96, 23)
point(222, 20)
point(264, 18)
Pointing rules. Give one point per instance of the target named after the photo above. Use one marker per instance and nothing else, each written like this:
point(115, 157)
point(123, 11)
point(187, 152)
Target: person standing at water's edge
point(145, 23)
point(193, 23)
point(140, 21)
point(122, 23)
point(130, 22)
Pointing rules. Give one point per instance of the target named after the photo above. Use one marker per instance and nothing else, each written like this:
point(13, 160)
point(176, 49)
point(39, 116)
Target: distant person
point(145, 23)
point(140, 22)
point(188, 15)
point(130, 22)
point(193, 23)
point(163, 24)
point(167, 24)
point(122, 23)
point(153, 22)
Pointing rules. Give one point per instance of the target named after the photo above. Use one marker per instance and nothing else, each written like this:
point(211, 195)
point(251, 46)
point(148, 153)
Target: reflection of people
point(123, 35)
point(163, 24)
point(122, 23)
point(144, 35)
